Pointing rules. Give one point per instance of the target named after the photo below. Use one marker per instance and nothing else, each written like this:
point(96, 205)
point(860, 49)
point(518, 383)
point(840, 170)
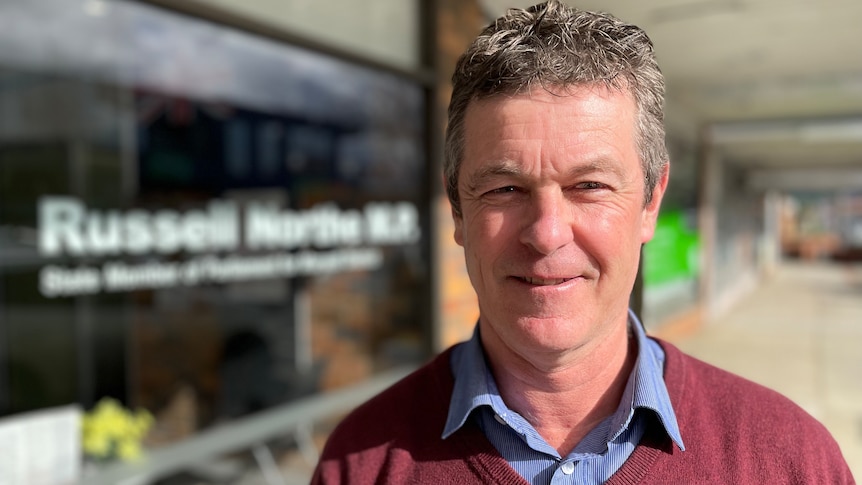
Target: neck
point(566, 396)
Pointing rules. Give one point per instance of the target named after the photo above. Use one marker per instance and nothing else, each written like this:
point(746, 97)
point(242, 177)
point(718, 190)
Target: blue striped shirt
point(599, 455)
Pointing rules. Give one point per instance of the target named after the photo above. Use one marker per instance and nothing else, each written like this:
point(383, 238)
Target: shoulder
point(408, 415)
point(694, 384)
point(732, 418)
point(417, 400)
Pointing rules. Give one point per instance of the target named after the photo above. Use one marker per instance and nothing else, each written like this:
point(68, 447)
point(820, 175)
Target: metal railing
point(252, 432)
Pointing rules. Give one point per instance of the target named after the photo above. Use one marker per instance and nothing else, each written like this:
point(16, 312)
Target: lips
point(544, 281)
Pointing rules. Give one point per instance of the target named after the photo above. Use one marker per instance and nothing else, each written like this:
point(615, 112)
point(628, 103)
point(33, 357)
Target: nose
point(548, 225)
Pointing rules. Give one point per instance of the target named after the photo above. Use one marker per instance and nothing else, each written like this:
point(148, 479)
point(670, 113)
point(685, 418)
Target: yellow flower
point(97, 445)
point(129, 450)
point(111, 431)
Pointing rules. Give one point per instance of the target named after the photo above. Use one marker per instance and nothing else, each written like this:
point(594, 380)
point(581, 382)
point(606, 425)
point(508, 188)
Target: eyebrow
point(602, 164)
point(504, 168)
point(508, 168)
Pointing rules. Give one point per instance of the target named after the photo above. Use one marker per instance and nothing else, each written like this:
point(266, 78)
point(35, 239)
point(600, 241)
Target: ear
point(651, 210)
point(456, 218)
point(459, 227)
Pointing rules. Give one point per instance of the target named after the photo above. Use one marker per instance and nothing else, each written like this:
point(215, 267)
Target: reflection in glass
point(159, 126)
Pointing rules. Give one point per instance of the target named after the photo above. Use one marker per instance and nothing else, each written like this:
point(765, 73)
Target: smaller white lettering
point(128, 277)
point(116, 276)
point(55, 281)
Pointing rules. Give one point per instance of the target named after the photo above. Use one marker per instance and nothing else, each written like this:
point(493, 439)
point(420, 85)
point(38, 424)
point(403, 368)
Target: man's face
point(553, 216)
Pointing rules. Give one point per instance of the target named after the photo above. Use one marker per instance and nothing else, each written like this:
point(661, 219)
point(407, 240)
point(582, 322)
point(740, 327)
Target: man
point(555, 168)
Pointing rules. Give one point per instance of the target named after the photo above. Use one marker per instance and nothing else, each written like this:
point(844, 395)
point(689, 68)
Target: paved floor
point(799, 333)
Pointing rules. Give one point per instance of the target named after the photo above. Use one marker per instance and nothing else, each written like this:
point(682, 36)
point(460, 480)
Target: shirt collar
point(475, 387)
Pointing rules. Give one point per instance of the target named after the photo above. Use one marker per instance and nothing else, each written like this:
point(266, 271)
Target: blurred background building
point(229, 214)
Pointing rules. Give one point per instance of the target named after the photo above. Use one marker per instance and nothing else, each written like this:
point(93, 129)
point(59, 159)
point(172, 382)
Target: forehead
point(576, 120)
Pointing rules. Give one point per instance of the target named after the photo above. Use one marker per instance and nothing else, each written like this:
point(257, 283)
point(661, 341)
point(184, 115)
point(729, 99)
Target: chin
point(552, 332)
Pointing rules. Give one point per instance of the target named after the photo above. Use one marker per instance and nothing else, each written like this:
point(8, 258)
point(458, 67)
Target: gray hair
point(557, 46)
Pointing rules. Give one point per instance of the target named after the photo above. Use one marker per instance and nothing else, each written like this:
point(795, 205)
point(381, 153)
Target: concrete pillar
point(710, 198)
point(771, 240)
point(458, 23)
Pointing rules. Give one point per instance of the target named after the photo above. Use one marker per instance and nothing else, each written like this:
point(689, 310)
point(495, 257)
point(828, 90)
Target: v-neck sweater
point(735, 431)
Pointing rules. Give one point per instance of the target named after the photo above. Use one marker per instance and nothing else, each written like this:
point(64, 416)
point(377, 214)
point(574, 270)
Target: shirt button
point(567, 468)
point(500, 419)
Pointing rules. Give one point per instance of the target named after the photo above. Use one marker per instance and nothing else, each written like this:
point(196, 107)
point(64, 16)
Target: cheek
point(492, 233)
point(610, 233)
point(482, 227)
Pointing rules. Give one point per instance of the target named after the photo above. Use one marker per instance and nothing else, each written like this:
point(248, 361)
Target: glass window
point(198, 221)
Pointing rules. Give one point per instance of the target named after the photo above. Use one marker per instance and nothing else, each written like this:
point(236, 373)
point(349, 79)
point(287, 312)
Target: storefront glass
point(198, 221)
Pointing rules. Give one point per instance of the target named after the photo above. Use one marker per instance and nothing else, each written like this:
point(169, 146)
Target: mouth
point(543, 281)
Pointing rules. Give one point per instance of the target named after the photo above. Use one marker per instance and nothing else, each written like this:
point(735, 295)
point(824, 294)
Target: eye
point(506, 194)
point(591, 185)
point(502, 190)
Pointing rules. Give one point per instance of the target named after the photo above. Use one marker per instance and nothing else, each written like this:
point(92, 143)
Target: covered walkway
point(799, 333)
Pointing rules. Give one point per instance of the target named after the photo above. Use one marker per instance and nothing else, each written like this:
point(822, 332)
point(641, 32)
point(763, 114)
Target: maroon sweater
point(735, 432)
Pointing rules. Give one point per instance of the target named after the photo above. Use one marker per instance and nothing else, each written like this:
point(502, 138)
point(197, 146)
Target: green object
point(673, 252)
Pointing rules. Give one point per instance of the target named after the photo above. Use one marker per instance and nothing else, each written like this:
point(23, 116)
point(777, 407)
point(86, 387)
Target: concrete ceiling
point(774, 70)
